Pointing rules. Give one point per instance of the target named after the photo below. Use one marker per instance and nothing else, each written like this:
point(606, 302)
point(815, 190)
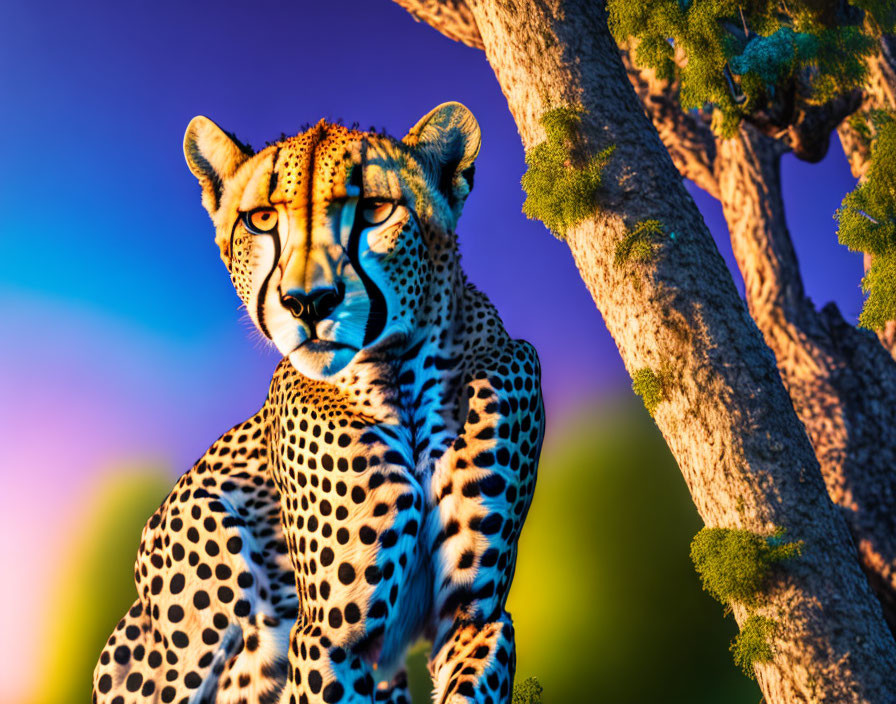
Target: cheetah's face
point(327, 235)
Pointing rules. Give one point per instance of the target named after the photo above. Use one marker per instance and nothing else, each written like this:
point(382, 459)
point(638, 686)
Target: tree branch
point(843, 385)
point(450, 17)
point(689, 139)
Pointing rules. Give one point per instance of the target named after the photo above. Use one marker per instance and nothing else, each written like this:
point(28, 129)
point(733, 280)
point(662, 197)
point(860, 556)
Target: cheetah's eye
point(376, 211)
point(260, 221)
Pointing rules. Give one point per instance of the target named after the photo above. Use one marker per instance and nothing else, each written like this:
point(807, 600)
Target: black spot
point(326, 555)
point(177, 583)
point(373, 574)
point(388, 539)
point(200, 599)
point(234, 545)
point(335, 617)
point(346, 573)
point(314, 681)
point(352, 613)
point(225, 594)
point(484, 459)
point(491, 524)
point(333, 692)
point(466, 689)
point(492, 485)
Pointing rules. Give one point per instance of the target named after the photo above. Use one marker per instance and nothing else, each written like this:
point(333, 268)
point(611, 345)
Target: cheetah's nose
point(314, 306)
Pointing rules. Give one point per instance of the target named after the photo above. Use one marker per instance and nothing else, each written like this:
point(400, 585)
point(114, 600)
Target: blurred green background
point(606, 604)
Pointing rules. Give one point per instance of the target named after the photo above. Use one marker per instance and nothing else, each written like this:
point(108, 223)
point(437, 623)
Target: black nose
point(314, 306)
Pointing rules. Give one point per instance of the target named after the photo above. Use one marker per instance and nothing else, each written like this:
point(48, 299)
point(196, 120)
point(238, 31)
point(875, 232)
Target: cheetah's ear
point(447, 139)
point(213, 156)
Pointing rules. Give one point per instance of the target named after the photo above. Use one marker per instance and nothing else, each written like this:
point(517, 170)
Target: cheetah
point(378, 495)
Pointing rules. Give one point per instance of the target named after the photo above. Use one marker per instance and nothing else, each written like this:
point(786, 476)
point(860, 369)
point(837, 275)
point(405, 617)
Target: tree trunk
point(726, 416)
point(842, 387)
point(842, 383)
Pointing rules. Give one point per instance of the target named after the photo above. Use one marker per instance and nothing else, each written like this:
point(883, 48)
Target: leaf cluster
point(734, 564)
point(735, 56)
point(560, 188)
point(867, 221)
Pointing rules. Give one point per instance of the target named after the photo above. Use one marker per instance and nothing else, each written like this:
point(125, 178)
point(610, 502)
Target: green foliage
point(867, 220)
point(527, 692)
point(733, 564)
point(751, 645)
point(560, 190)
point(735, 56)
point(649, 386)
point(639, 243)
point(881, 12)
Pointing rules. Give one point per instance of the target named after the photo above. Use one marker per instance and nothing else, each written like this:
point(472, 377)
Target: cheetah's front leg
point(481, 490)
point(352, 523)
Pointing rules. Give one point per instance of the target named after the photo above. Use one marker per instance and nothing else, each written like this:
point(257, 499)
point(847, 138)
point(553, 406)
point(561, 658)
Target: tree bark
point(842, 383)
point(842, 388)
point(726, 416)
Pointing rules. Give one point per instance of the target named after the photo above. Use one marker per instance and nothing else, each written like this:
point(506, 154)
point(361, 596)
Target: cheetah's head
point(329, 236)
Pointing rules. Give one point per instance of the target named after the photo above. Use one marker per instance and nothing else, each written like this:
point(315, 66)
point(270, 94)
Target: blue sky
point(123, 338)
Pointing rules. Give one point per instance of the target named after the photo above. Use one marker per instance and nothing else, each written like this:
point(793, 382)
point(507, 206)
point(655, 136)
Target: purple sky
point(123, 339)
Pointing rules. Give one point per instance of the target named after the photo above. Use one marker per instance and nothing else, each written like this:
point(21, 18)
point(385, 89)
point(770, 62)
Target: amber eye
point(376, 211)
point(260, 221)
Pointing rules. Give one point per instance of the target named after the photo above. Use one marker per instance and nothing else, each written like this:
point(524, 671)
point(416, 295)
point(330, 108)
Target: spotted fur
point(379, 494)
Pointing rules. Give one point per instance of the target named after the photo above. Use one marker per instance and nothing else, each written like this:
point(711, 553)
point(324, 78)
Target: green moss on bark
point(639, 244)
point(752, 644)
point(560, 188)
point(649, 386)
point(733, 564)
point(527, 692)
